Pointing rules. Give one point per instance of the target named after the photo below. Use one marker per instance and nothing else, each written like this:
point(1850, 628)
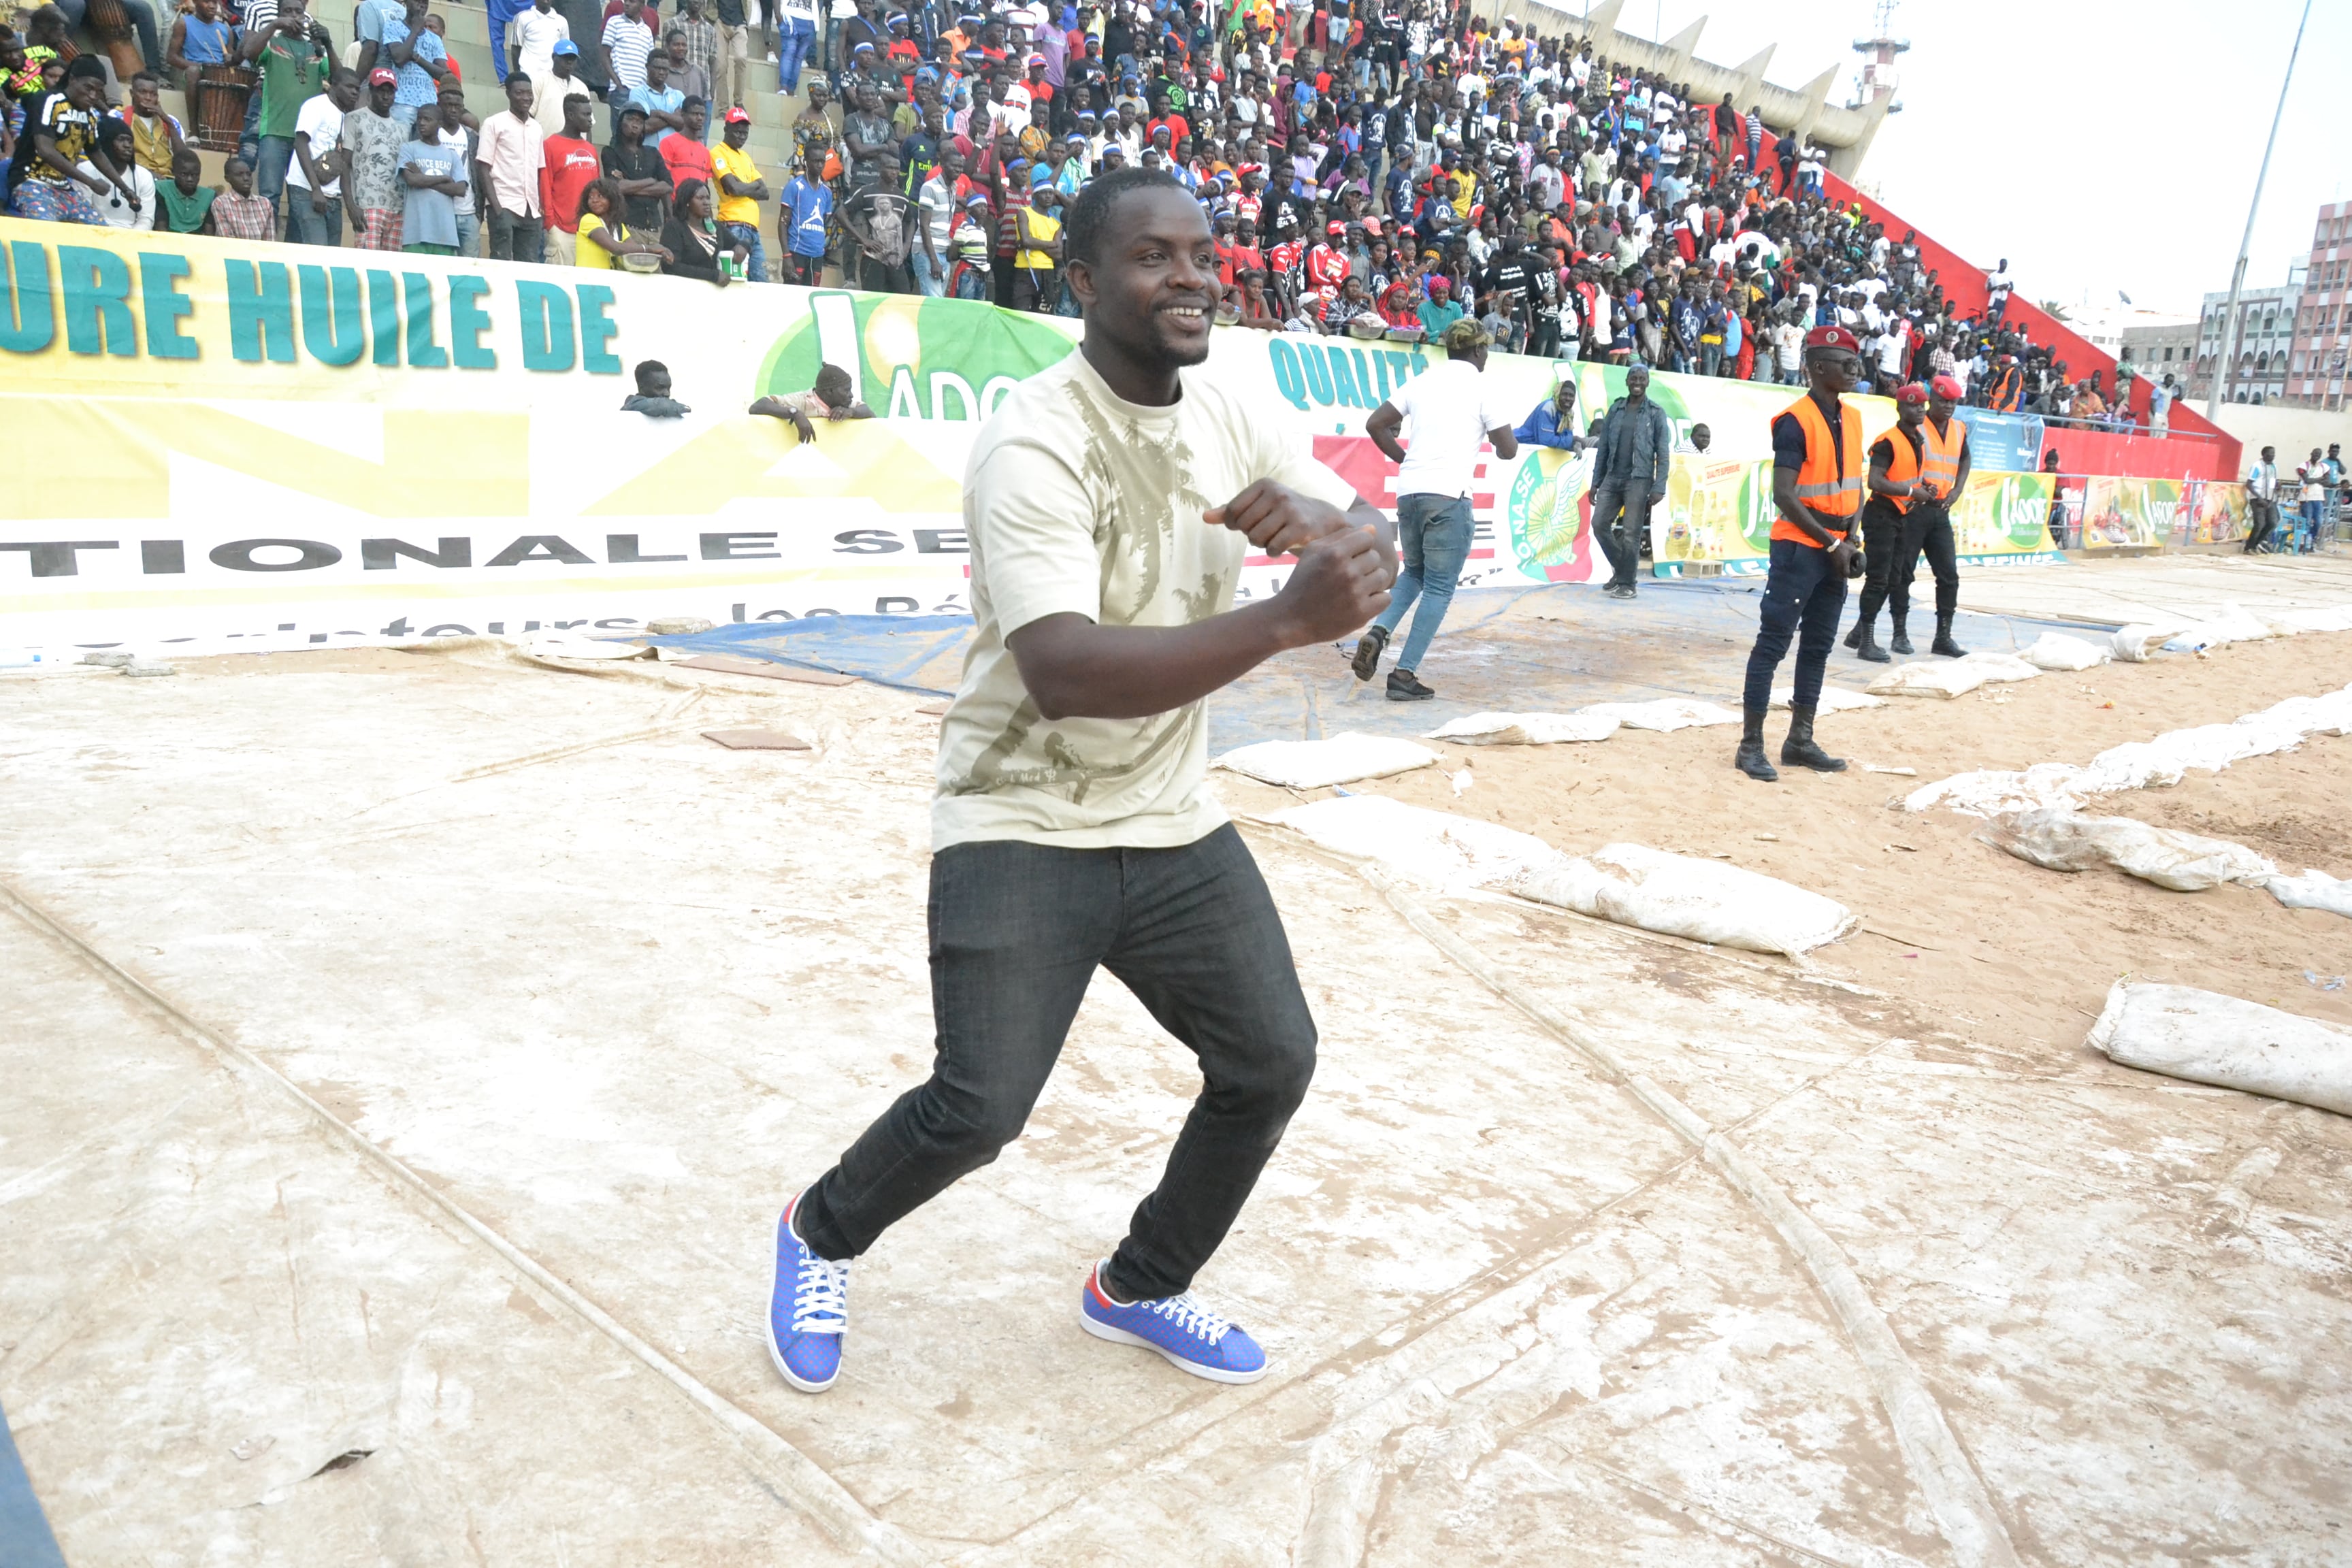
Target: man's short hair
point(647, 367)
point(1083, 229)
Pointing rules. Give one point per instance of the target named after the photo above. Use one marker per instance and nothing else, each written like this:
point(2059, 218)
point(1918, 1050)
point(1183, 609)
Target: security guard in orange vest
point(1817, 481)
point(1894, 475)
point(1943, 473)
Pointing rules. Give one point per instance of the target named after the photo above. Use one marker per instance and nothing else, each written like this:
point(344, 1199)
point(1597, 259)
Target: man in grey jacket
point(1631, 448)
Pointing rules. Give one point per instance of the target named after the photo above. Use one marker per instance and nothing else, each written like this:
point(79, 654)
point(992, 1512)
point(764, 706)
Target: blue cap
point(565, 46)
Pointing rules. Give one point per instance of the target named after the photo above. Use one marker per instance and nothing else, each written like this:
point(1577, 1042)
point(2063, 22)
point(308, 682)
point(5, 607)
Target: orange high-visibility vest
point(1830, 488)
point(1901, 468)
point(1939, 465)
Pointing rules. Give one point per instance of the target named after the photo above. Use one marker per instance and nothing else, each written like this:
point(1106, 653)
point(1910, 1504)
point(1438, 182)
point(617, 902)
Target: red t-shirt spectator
point(688, 160)
point(568, 167)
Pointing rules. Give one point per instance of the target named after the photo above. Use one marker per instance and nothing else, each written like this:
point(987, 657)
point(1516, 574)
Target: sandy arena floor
point(408, 1054)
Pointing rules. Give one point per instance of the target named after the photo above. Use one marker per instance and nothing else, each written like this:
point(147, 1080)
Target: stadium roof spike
point(1816, 94)
point(1682, 47)
point(1601, 21)
point(1751, 73)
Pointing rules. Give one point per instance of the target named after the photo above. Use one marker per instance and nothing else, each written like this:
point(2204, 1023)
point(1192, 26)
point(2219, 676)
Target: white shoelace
point(1187, 1313)
point(821, 1304)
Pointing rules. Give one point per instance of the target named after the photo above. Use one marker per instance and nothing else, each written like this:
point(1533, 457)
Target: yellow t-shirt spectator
point(1038, 231)
point(725, 161)
point(589, 252)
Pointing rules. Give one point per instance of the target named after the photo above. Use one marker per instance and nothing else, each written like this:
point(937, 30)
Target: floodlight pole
point(2228, 357)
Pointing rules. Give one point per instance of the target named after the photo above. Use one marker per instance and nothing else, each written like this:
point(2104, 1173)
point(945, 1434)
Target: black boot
point(1899, 640)
point(1799, 751)
point(1367, 659)
point(1944, 643)
point(1750, 758)
point(1868, 647)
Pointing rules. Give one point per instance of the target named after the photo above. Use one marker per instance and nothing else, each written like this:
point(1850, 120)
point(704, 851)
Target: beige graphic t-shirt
point(1077, 502)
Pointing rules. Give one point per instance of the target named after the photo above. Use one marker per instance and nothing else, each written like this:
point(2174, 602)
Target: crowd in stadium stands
point(1366, 169)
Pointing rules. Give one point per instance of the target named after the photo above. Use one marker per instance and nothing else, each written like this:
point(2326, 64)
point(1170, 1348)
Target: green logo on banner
point(915, 358)
point(1541, 510)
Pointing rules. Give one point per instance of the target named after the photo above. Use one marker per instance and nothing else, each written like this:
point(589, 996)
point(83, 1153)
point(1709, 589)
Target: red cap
point(1832, 337)
point(1335, 227)
point(380, 74)
point(1948, 386)
point(1914, 392)
point(738, 116)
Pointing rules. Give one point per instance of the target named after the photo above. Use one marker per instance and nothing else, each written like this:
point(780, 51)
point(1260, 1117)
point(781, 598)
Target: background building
point(2322, 322)
point(2252, 367)
point(2162, 350)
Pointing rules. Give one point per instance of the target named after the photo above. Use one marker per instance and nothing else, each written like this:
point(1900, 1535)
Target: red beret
point(1948, 386)
point(1832, 337)
point(1914, 392)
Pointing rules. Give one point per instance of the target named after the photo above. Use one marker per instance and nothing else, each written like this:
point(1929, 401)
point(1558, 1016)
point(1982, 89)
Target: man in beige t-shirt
point(1111, 503)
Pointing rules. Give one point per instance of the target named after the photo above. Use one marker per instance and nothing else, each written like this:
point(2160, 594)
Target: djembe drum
point(218, 101)
point(111, 25)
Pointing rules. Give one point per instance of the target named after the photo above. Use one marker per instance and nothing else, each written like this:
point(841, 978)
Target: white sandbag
point(1435, 850)
point(1951, 677)
point(1834, 700)
point(2234, 624)
point(2332, 618)
point(572, 645)
point(2207, 1037)
point(1666, 713)
point(2056, 650)
point(2137, 643)
point(2138, 764)
point(2064, 841)
point(1704, 901)
point(1524, 729)
point(2313, 890)
point(1318, 765)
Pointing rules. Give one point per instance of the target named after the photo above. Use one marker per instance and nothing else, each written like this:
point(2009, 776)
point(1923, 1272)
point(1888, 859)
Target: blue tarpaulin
point(24, 1538)
point(1541, 648)
point(917, 652)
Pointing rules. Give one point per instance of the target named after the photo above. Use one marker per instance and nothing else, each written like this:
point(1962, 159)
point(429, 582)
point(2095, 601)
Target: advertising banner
point(1716, 510)
point(2128, 513)
point(2220, 515)
point(234, 444)
point(2003, 520)
point(2003, 443)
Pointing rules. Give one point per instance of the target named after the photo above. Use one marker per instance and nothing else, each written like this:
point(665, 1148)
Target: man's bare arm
point(1074, 668)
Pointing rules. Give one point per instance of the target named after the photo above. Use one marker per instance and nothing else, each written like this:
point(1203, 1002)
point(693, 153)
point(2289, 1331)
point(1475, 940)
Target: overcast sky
point(2099, 147)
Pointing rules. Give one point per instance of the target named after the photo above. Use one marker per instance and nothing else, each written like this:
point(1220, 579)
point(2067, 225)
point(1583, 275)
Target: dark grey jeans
point(1017, 931)
point(1621, 519)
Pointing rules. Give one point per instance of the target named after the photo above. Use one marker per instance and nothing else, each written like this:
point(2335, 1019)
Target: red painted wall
point(2218, 457)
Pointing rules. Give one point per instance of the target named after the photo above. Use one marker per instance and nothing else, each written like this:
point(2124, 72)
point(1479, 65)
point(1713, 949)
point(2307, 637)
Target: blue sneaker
point(1178, 1327)
point(807, 1311)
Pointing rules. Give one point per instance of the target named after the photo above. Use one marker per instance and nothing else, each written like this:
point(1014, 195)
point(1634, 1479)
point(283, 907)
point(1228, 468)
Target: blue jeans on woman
point(793, 46)
point(1434, 534)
